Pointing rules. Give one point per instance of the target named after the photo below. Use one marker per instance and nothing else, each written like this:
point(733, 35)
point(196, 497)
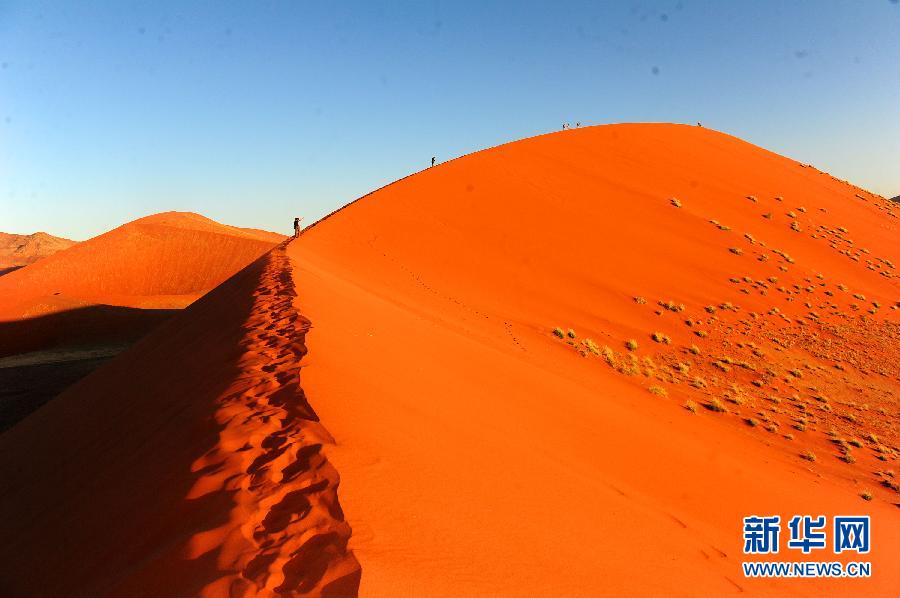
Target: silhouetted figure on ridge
point(432, 160)
point(297, 227)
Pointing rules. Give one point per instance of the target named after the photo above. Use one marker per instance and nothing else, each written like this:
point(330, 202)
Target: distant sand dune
point(107, 292)
point(17, 251)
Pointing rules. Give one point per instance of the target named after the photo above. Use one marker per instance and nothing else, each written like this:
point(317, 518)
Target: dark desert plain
point(564, 366)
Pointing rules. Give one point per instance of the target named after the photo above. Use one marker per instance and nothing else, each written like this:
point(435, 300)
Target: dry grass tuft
point(659, 337)
point(716, 406)
point(591, 346)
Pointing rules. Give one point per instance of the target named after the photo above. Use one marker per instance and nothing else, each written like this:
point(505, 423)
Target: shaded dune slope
point(190, 465)
point(522, 464)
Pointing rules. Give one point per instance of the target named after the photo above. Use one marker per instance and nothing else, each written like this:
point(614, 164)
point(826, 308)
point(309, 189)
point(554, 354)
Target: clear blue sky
point(253, 112)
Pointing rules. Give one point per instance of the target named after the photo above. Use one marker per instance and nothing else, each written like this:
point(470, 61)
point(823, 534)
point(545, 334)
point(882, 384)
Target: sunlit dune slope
point(482, 455)
point(166, 260)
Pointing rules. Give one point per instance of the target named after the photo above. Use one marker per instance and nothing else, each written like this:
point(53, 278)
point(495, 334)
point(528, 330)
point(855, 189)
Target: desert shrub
point(659, 337)
point(716, 406)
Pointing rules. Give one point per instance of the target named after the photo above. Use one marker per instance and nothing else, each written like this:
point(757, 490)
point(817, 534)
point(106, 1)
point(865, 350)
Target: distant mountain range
point(20, 250)
point(896, 198)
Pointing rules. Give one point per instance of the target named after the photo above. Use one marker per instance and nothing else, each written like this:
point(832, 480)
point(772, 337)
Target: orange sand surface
point(479, 453)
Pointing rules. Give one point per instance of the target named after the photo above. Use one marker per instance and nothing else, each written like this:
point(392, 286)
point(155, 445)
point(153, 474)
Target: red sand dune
point(479, 454)
point(17, 251)
point(111, 288)
point(165, 260)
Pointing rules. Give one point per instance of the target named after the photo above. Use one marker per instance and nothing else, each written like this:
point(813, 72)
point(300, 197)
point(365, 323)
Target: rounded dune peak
point(194, 221)
point(162, 260)
point(598, 333)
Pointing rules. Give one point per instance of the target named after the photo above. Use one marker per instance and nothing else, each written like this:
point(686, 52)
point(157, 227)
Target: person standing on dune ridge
point(297, 227)
point(432, 160)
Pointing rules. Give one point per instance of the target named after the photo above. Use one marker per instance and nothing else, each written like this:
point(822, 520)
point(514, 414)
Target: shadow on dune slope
point(85, 326)
point(189, 464)
point(42, 356)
